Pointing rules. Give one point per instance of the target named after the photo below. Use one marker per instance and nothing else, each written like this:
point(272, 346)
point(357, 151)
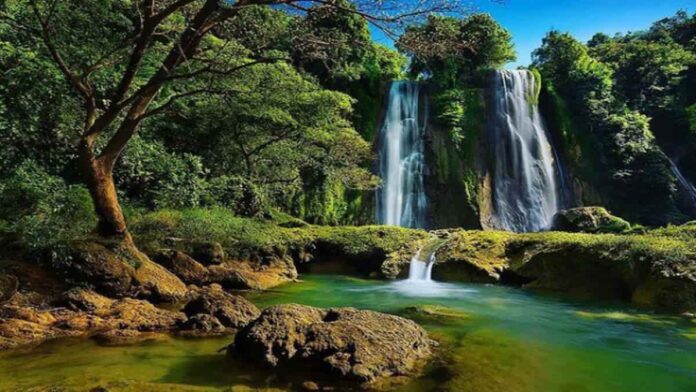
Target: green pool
point(492, 339)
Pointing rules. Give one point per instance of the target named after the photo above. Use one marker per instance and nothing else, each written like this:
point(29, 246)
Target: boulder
point(355, 345)
point(182, 265)
point(589, 220)
point(231, 311)
point(115, 269)
point(254, 275)
point(205, 252)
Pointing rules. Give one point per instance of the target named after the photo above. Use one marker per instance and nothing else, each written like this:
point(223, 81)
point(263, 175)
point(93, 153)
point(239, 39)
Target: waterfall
point(683, 181)
point(524, 179)
point(419, 270)
point(401, 199)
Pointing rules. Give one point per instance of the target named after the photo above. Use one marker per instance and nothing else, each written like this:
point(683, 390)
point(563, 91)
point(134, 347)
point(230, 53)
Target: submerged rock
point(589, 220)
point(358, 345)
point(435, 314)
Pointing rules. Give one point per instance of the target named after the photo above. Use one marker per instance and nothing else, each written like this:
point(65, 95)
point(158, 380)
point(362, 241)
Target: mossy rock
point(589, 220)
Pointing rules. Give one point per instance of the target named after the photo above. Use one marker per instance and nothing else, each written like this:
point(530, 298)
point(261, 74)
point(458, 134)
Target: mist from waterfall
point(525, 177)
point(401, 200)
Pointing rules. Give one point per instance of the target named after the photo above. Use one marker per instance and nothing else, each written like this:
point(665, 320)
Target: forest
point(338, 213)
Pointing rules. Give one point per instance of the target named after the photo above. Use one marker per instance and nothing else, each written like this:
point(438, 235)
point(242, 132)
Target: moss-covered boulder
point(114, 269)
point(589, 220)
point(654, 270)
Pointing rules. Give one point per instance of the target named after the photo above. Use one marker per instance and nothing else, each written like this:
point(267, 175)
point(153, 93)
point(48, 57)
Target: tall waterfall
point(524, 184)
point(401, 201)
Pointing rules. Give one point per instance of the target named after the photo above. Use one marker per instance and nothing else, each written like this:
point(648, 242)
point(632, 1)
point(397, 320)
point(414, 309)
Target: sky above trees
point(529, 20)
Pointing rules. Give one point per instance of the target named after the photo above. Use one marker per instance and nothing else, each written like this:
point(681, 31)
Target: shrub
point(38, 209)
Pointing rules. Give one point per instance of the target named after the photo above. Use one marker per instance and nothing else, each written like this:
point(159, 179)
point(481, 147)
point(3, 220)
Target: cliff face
point(455, 184)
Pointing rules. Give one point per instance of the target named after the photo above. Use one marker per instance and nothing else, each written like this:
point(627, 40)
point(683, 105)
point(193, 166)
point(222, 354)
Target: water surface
point(492, 339)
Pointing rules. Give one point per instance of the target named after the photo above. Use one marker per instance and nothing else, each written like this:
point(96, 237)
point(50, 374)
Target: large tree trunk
point(99, 179)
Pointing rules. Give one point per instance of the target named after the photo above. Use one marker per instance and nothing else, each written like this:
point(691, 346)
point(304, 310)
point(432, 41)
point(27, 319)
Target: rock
point(155, 283)
point(232, 311)
point(183, 266)
point(91, 263)
point(203, 324)
point(115, 270)
point(310, 386)
point(205, 252)
point(78, 299)
point(15, 332)
point(589, 220)
point(129, 313)
point(270, 272)
point(435, 313)
point(357, 345)
point(8, 287)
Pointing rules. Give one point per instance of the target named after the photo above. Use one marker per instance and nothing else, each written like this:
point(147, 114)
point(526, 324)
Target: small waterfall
point(683, 181)
point(525, 187)
point(401, 199)
point(419, 270)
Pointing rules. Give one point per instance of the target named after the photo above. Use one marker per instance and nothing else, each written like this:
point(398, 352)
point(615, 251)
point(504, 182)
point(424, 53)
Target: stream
point(492, 338)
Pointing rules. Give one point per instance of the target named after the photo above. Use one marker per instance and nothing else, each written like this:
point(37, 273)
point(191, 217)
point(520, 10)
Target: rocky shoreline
point(189, 287)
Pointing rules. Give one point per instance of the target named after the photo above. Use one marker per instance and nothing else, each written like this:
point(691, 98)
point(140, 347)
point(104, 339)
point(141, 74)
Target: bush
point(150, 175)
point(235, 193)
point(38, 209)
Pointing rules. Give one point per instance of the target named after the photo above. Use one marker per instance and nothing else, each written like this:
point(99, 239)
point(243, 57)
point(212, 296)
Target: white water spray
point(525, 187)
point(401, 201)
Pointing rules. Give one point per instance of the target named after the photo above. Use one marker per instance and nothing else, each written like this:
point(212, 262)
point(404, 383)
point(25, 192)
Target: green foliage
point(615, 143)
point(240, 236)
point(156, 178)
point(235, 193)
point(691, 115)
point(647, 74)
point(38, 209)
point(457, 50)
point(332, 43)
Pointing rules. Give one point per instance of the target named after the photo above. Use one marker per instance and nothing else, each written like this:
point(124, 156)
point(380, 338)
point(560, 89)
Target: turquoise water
point(492, 339)
point(510, 339)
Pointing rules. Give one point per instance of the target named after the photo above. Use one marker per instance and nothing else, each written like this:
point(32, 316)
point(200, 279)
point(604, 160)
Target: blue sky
point(529, 20)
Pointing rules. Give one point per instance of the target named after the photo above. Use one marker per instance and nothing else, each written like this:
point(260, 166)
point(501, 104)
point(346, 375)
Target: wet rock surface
point(356, 345)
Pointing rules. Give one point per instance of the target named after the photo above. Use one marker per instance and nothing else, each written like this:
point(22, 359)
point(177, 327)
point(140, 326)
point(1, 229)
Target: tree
point(126, 61)
point(453, 49)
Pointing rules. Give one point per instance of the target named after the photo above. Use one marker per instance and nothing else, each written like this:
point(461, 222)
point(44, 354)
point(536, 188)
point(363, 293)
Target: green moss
point(240, 236)
point(460, 122)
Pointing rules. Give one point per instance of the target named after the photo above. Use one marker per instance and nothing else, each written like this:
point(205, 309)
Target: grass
point(238, 235)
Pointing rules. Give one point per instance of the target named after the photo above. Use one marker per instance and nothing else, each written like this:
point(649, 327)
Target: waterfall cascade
point(420, 270)
point(525, 187)
point(401, 201)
